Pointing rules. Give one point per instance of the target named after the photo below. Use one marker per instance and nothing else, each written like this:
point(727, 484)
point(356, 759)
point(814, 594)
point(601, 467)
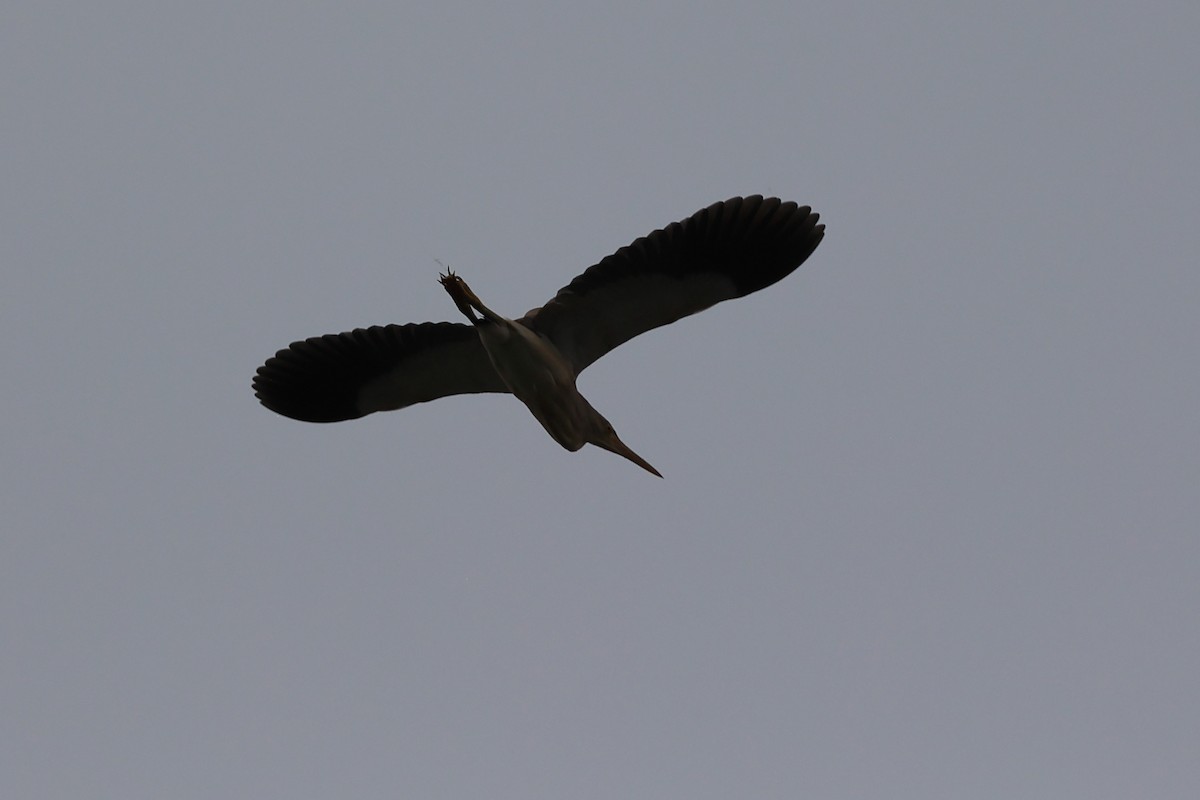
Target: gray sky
point(928, 527)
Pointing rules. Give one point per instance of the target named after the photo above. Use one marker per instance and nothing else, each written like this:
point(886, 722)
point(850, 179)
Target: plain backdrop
point(929, 521)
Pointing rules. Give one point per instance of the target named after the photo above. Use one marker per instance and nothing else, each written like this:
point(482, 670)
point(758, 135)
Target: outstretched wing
point(727, 250)
point(348, 375)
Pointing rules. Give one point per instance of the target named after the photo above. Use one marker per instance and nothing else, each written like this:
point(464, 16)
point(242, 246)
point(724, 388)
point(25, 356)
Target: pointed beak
point(614, 445)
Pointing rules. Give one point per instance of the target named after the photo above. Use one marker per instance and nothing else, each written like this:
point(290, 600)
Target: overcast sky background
point(929, 521)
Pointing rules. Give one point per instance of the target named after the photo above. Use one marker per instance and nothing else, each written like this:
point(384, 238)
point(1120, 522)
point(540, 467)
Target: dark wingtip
point(766, 238)
point(308, 381)
point(753, 241)
point(323, 379)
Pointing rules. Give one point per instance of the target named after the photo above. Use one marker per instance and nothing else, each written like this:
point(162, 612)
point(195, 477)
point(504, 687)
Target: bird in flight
point(727, 250)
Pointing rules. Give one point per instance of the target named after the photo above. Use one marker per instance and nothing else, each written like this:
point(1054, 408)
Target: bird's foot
point(456, 287)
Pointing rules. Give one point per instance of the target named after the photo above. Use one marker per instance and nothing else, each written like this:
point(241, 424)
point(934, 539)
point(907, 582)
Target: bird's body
point(533, 369)
point(537, 374)
point(727, 250)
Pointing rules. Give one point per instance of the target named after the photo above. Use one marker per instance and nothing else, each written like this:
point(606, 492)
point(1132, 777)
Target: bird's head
point(603, 435)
